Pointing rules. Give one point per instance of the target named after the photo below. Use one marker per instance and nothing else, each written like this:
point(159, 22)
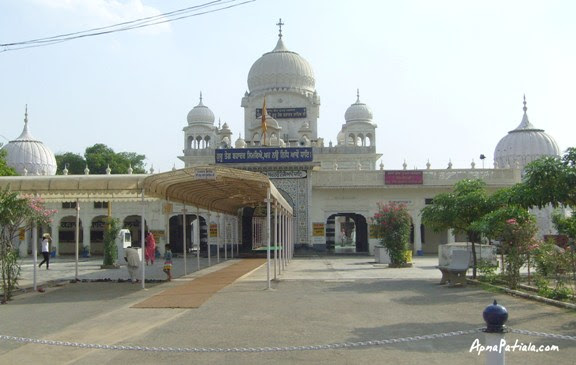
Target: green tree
point(550, 180)
point(98, 158)
point(74, 162)
point(5, 170)
point(460, 210)
point(515, 228)
point(110, 234)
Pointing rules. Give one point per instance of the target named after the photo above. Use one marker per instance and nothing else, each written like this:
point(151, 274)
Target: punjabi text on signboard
point(283, 113)
point(269, 154)
point(403, 177)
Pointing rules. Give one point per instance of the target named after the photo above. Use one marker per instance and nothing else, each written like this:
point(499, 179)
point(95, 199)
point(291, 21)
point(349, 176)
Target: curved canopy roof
point(217, 189)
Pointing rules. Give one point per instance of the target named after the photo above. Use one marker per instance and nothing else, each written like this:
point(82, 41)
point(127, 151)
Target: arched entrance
point(67, 235)
point(97, 235)
point(177, 230)
point(346, 233)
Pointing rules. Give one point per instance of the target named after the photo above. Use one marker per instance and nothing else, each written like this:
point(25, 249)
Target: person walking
point(168, 261)
point(133, 260)
point(150, 247)
point(46, 240)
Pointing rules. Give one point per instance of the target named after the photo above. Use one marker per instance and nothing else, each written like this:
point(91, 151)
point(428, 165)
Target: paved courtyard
point(329, 302)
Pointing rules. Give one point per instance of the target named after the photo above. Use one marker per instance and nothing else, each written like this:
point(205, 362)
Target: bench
point(455, 272)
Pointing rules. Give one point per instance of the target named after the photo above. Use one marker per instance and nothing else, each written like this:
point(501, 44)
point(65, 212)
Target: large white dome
point(201, 114)
point(524, 144)
point(29, 156)
point(358, 112)
point(281, 69)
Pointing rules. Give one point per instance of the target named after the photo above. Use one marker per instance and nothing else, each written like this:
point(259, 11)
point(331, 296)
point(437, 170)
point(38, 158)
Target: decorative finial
point(404, 165)
point(200, 97)
point(280, 24)
point(108, 170)
point(65, 171)
point(357, 95)
point(130, 169)
point(219, 123)
point(26, 115)
point(86, 170)
point(524, 108)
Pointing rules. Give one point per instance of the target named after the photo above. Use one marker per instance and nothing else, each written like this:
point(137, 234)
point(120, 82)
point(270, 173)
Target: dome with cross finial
point(281, 69)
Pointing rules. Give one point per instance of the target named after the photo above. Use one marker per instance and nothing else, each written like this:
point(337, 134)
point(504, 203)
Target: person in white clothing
point(46, 240)
point(133, 260)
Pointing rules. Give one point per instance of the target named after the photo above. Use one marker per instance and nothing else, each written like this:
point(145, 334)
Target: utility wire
point(129, 25)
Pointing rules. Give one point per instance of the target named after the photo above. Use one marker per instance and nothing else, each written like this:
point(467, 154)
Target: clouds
point(100, 13)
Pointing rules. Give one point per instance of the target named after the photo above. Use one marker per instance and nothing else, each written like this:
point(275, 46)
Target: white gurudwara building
point(332, 189)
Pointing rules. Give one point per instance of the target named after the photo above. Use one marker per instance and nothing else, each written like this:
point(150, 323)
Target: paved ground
point(315, 301)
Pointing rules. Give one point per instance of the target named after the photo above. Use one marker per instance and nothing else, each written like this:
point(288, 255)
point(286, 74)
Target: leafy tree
point(5, 170)
point(98, 158)
point(460, 210)
point(515, 228)
point(550, 180)
point(72, 161)
point(110, 234)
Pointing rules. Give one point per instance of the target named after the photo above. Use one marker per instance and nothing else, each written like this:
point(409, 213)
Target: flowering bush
point(393, 223)
point(517, 242)
point(16, 211)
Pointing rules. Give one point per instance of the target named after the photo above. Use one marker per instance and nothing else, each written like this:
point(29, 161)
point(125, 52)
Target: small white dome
point(240, 142)
point(358, 112)
point(28, 155)
point(201, 114)
point(524, 144)
point(281, 69)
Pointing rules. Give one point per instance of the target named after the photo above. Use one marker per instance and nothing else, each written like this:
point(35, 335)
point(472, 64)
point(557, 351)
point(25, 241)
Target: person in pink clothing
point(150, 248)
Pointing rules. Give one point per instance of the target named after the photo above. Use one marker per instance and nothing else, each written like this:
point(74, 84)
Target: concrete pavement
point(315, 301)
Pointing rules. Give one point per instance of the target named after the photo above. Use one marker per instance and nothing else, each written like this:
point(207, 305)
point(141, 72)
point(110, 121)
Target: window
point(68, 205)
point(100, 205)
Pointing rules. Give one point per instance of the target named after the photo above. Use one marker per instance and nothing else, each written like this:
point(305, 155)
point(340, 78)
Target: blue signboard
point(283, 113)
point(267, 154)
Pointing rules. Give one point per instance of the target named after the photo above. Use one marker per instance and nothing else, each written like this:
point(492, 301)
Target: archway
point(346, 233)
point(176, 232)
point(97, 235)
point(67, 235)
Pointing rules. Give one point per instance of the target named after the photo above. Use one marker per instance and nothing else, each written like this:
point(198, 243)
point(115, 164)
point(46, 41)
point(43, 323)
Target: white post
point(218, 235)
point(143, 241)
point(275, 238)
point(209, 223)
point(35, 253)
point(198, 238)
point(77, 234)
point(268, 237)
point(416, 221)
point(184, 237)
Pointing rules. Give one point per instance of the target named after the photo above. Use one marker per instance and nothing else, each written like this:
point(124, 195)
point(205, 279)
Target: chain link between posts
point(241, 349)
point(542, 334)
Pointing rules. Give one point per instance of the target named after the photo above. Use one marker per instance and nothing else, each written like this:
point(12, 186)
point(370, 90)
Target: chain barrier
point(542, 334)
point(241, 349)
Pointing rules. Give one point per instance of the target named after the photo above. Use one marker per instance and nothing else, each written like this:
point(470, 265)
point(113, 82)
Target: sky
point(445, 80)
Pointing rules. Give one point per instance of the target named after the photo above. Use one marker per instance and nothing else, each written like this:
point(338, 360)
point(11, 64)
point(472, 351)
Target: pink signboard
point(403, 177)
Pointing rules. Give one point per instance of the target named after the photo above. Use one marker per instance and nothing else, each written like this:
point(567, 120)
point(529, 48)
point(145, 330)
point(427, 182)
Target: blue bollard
point(495, 316)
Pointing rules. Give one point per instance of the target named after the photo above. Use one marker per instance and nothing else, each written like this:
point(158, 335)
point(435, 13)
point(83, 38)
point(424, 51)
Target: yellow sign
point(318, 229)
point(21, 234)
point(213, 230)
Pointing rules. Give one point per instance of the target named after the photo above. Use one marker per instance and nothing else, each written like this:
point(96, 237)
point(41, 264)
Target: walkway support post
point(143, 242)
point(268, 237)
